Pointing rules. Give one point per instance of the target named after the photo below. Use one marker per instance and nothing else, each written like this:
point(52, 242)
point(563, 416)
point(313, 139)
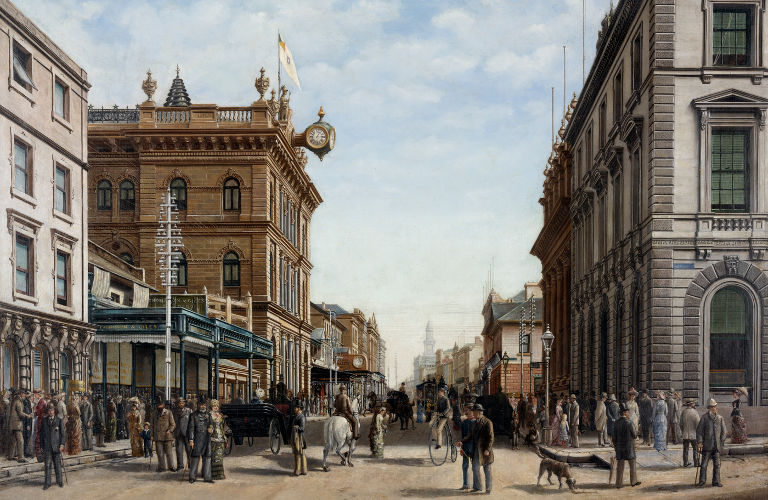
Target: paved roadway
point(405, 472)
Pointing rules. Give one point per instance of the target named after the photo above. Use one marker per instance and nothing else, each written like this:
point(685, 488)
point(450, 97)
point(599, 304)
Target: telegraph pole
point(168, 243)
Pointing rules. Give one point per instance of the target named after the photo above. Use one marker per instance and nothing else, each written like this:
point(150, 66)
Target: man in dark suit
point(199, 435)
point(181, 418)
point(52, 437)
point(710, 435)
point(623, 438)
point(482, 444)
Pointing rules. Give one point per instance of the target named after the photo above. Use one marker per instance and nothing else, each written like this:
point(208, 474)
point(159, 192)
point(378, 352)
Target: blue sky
point(442, 112)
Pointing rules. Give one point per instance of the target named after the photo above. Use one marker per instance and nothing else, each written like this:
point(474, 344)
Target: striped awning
point(148, 338)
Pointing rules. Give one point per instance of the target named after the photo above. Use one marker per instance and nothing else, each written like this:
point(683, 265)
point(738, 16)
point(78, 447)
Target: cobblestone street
point(405, 472)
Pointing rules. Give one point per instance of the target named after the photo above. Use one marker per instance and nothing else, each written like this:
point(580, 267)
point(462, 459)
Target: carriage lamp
point(547, 338)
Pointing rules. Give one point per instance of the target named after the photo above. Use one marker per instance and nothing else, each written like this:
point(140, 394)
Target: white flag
point(287, 59)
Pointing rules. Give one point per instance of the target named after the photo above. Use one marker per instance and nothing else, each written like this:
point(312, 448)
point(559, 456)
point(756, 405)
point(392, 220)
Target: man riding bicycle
point(442, 415)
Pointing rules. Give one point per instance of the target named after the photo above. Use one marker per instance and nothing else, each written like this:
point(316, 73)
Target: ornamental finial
point(177, 71)
point(321, 113)
point(262, 84)
point(149, 86)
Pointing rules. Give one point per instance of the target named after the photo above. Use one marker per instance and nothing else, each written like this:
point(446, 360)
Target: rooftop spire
point(177, 96)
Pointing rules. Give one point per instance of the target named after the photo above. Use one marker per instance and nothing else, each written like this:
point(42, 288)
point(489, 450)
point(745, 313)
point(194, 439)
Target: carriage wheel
point(230, 445)
point(250, 440)
point(438, 455)
point(274, 436)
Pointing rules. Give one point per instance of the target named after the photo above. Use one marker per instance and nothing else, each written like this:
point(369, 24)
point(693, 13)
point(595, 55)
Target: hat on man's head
point(299, 405)
point(50, 406)
point(160, 400)
point(612, 397)
point(623, 407)
point(711, 403)
point(604, 395)
point(573, 396)
point(478, 407)
point(202, 400)
point(690, 402)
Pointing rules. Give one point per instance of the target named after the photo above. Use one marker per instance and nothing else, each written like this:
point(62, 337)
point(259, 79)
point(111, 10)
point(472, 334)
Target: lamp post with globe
point(547, 338)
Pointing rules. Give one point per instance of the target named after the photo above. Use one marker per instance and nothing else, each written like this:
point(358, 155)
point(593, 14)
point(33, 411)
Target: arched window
point(37, 368)
point(64, 372)
point(231, 269)
point(8, 367)
point(602, 357)
point(127, 196)
point(181, 275)
point(126, 257)
point(179, 191)
point(729, 340)
point(104, 195)
point(231, 194)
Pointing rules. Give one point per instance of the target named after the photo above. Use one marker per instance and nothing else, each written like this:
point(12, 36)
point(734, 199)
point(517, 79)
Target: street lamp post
point(504, 363)
point(520, 346)
point(547, 338)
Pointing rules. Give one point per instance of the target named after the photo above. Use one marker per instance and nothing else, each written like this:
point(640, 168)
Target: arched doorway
point(730, 340)
point(9, 364)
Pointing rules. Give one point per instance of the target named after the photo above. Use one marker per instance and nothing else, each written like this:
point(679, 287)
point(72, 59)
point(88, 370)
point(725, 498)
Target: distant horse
point(338, 433)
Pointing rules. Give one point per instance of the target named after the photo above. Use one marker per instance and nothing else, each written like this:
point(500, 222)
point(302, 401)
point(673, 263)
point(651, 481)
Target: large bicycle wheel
point(274, 436)
point(230, 445)
point(438, 455)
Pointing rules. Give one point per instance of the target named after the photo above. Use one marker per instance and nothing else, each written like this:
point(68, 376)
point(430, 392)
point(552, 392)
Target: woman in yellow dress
point(135, 422)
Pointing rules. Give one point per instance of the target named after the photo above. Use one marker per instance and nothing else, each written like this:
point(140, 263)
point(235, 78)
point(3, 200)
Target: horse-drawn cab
point(258, 420)
point(498, 411)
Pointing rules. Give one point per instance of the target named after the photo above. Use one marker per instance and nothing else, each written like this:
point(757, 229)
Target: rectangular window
point(618, 187)
point(731, 37)
point(636, 187)
point(37, 371)
point(22, 67)
point(637, 62)
point(24, 265)
point(618, 98)
point(602, 125)
point(60, 101)
point(730, 170)
point(62, 190)
point(62, 290)
point(590, 156)
point(22, 175)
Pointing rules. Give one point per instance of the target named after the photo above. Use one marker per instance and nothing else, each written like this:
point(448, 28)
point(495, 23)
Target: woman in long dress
point(111, 421)
point(420, 413)
point(378, 434)
point(74, 428)
point(660, 423)
point(555, 424)
point(135, 426)
point(738, 424)
point(40, 411)
point(564, 430)
point(218, 442)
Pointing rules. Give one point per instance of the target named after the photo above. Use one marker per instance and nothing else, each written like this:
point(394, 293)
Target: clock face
point(317, 137)
point(358, 361)
point(333, 138)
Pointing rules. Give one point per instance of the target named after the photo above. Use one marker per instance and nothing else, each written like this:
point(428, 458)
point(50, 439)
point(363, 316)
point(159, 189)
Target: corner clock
point(320, 137)
point(358, 362)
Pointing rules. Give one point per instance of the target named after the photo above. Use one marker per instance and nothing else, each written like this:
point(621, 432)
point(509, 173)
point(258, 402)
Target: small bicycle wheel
point(274, 436)
point(250, 440)
point(438, 455)
point(454, 452)
point(230, 445)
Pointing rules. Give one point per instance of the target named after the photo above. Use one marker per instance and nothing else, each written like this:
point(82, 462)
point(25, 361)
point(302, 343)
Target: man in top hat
point(482, 446)
point(441, 415)
point(343, 407)
point(16, 421)
point(645, 405)
point(52, 438)
point(163, 426)
point(199, 434)
point(623, 438)
point(239, 399)
point(601, 420)
point(612, 412)
point(99, 421)
point(574, 414)
point(689, 422)
point(86, 416)
point(181, 418)
point(29, 444)
point(710, 436)
point(298, 444)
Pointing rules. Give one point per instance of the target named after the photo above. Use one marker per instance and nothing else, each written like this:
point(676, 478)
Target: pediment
point(730, 98)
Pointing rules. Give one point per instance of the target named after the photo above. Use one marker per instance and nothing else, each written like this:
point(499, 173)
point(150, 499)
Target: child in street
point(147, 437)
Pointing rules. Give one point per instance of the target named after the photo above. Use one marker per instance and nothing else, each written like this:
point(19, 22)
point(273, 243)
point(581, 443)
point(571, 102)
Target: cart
point(256, 421)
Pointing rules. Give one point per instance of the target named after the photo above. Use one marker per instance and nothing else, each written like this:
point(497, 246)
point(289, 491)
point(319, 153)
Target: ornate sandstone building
point(670, 203)
point(44, 330)
point(245, 206)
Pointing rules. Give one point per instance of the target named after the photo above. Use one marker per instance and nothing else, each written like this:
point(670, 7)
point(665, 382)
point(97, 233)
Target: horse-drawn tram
point(257, 421)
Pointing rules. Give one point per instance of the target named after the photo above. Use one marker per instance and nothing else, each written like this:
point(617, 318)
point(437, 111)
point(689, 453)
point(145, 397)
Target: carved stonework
point(731, 264)
point(703, 253)
point(149, 86)
point(262, 85)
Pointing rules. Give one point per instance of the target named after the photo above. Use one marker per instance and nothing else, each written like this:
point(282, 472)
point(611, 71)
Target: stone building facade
point(245, 206)
point(44, 331)
point(553, 248)
point(670, 203)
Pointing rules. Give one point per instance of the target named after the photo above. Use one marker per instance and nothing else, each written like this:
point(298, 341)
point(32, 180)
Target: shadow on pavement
point(432, 493)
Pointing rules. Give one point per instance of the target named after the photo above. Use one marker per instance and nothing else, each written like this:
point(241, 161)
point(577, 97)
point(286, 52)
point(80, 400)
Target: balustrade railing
point(113, 115)
point(731, 224)
point(171, 116)
point(234, 115)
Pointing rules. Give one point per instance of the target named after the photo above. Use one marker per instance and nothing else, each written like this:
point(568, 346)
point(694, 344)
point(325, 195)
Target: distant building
point(424, 364)
point(44, 332)
point(465, 360)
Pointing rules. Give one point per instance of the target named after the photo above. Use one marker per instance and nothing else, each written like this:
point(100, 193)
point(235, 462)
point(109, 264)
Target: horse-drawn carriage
point(258, 420)
point(499, 412)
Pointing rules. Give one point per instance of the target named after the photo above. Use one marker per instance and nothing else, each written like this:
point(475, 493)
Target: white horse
point(337, 433)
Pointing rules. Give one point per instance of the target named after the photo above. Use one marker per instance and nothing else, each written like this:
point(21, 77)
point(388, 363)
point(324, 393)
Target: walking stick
point(696, 480)
point(61, 462)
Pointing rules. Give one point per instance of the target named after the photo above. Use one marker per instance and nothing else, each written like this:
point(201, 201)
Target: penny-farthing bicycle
point(445, 442)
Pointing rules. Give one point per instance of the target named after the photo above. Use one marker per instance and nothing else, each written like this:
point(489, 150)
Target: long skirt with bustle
point(74, 441)
point(660, 432)
point(111, 430)
point(217, 460)
point(738, 430)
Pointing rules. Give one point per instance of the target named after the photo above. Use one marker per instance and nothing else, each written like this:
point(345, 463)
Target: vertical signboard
point(126, 363)
point(202, 375)
point(113, 363)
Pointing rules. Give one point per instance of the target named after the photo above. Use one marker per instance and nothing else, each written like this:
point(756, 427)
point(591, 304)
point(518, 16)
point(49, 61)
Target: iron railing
point(113, 115)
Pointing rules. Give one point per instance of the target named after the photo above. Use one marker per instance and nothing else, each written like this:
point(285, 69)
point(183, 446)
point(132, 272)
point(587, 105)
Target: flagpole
point(278, 65)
